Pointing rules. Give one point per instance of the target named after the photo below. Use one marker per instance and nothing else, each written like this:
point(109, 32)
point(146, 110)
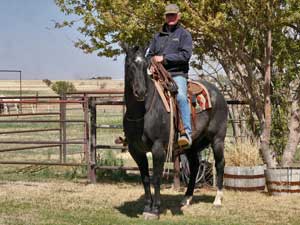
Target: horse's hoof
point(150, 216)
point(217, 206)
point(186, 202)
point(218, 199)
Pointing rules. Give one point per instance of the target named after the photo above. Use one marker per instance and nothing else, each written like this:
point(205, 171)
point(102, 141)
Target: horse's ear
point(129, 49)
point(145, 50)
point(136, 48)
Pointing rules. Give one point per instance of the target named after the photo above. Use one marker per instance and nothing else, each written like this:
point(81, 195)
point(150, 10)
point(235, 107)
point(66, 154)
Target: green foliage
point(232, 33)
point(62, 87)
point(279, 129)
point(106, 24)
point(108, 158)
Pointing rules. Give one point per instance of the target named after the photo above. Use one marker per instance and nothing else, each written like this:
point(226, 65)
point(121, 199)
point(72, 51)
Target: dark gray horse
point(147, 128)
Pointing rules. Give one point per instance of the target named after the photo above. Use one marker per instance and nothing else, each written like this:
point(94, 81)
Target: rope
point(161, 74)
point(171, 139)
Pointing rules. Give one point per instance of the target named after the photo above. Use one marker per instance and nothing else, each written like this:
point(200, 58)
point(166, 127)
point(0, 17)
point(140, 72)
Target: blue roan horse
point(147, 129)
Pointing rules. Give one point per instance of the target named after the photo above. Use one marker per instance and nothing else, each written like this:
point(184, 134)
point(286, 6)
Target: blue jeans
point(182, 99)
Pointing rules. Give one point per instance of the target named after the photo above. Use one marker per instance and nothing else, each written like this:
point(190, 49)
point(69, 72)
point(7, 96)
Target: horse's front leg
point(158, 156)
point(141, 160)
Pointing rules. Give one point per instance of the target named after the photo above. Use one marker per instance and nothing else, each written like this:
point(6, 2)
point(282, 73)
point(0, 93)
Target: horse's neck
point(150, 94)
point(134, 109)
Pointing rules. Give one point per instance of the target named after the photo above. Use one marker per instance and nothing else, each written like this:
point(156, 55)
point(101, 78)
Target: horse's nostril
point(136, 93)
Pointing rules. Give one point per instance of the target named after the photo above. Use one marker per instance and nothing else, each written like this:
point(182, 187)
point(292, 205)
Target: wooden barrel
point(244, 178)
point(282, 181)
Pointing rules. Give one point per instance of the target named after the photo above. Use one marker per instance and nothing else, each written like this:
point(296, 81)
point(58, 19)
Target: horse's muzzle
point(140, 96)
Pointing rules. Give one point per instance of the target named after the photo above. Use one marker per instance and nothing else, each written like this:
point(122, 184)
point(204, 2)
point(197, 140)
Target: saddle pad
point(201, 94)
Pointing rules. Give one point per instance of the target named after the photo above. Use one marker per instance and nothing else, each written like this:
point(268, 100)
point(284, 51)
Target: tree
point(234, 33)
point(63, 87)
point(47, 82)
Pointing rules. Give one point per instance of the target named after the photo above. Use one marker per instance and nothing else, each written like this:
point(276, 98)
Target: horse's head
point(136, 71)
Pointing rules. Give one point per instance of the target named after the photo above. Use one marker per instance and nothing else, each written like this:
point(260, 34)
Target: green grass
point(76, 216)
point(17, 93)
point(59, 195)
point(62, 202)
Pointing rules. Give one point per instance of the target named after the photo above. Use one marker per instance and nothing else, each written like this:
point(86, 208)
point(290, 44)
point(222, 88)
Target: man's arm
point(185, 51)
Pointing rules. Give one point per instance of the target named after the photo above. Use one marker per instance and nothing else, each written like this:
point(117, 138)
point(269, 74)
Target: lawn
point(61, 195)
point(69, 202)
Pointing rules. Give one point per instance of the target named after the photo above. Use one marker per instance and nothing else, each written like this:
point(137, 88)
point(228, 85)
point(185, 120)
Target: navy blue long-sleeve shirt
point(175, 46)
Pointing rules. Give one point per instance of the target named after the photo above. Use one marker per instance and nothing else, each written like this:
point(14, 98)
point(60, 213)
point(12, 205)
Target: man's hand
point(152, 70)
point(158, 58)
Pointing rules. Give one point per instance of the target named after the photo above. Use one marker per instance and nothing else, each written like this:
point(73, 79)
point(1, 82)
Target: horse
point(4, 108)
point(147, 128)
point(7, 107)
point(2, 105)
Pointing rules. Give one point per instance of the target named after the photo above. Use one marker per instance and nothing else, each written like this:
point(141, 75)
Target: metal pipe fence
point(61, 141)
point(88, 102)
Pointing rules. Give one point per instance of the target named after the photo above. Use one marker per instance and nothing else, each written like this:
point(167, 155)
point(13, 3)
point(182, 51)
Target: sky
point(30, 43)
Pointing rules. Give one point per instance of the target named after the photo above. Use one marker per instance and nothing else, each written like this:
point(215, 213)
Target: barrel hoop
point(284, 190)
point(243, 176)
point(290, 183)
point(245, 188)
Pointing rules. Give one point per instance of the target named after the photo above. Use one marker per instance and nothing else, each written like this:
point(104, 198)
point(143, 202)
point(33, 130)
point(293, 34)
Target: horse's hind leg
point(141, 160)
point(194, 166)
point(218, 149)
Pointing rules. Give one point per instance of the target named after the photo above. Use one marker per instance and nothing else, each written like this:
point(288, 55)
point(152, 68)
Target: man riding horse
point(172, 47)
point(148, 124)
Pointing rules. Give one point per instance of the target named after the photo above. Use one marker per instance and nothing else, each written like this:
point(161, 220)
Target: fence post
point(176, 180)
point(63, 131)
point(91, 159)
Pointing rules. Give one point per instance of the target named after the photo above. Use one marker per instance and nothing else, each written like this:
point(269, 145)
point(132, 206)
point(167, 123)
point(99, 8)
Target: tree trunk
point(233, 114)
point(266, 133)
point(294, 134)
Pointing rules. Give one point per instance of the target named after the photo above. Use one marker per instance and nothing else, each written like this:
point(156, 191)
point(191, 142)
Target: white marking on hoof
point(186, 201)
point(150, 216)
point(218, 199)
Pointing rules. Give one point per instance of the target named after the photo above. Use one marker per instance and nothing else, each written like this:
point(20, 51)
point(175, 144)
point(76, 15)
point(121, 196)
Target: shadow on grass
point(115, 176)
point(169, 202)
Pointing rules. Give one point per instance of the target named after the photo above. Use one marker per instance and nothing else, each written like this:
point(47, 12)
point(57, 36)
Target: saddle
point(199, 98)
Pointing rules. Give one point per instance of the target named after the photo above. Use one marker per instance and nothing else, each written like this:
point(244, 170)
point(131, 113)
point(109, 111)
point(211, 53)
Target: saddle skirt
point(199, 96)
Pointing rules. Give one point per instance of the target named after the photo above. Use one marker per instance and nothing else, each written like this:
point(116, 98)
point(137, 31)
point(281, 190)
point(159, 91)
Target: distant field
point(32, 87)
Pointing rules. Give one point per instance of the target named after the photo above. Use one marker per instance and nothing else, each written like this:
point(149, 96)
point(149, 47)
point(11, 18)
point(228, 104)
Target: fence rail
point(35, 118)
point(88, 100)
